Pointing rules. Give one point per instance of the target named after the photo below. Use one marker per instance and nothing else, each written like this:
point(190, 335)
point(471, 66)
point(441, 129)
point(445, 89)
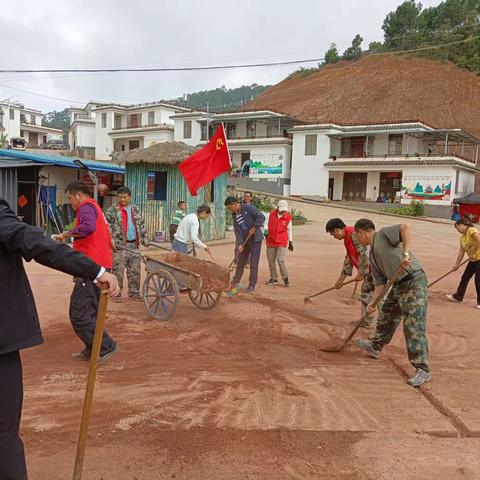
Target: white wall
point(196, 131)
point(466, 183)
point(103, 141)
point(59, 177)
point(373, 184)
point(85, 135)
point(309, 176)
point(337, 185)
point(157, 137)
point(12, 127)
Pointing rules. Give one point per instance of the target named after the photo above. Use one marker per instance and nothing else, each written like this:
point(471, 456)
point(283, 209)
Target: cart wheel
point(160, 294)
point(205, 301)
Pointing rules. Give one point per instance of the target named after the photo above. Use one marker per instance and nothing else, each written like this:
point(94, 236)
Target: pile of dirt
point(380, 89)
point(214, 277)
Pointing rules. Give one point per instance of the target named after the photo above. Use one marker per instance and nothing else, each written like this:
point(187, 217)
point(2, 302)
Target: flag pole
point(208, 121)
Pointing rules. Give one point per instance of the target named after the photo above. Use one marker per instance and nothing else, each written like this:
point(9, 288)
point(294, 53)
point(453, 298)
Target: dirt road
point(244, 393)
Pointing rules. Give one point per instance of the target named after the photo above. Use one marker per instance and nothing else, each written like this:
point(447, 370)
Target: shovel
point(386, 289)
point(307, 300)
point(448, 273)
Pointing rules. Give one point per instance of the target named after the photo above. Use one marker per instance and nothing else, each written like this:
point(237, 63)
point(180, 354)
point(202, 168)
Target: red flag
point(207, 164)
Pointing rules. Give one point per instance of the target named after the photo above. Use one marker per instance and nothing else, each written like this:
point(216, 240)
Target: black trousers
point(251, 252)
point(83, 314)
point(472, 268)
point(12, 456)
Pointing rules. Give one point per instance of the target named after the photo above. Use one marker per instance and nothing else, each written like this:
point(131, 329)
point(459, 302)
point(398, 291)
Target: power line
point(44, 96)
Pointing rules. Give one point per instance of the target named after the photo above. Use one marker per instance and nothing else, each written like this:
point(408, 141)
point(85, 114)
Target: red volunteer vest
point(277, 229)
point(98, 245)
point(350, 247)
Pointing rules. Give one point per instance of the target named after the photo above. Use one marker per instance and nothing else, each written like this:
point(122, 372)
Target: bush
point(415, 209)
point(265, 204)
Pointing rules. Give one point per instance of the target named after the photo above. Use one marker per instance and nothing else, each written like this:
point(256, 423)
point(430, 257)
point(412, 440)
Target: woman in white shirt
point(188, 231)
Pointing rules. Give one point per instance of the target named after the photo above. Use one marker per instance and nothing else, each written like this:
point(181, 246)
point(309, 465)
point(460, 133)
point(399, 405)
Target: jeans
point(179, 247)
point(83, 314)
point(472, 268)
point(12, 456)
point(252, 249)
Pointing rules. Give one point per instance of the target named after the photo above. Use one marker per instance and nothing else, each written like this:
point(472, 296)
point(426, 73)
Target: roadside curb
point(345, 207)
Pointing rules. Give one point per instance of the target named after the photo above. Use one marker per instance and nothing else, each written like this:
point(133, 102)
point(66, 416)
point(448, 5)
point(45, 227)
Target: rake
point(307, 300)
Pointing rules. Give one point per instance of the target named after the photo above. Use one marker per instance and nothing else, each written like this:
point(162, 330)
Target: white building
point(399, 160)
point(259, 139)
point(121, 128)
point(18, 121)
point(81, 134)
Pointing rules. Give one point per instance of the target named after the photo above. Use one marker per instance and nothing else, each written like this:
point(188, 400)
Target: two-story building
point(18, 121)
point(121, 128)
point(392, 162)
point(259, 142)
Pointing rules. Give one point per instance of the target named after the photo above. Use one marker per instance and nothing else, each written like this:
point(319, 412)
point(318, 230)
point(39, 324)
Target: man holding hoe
point(356, 256)
point(407, 299)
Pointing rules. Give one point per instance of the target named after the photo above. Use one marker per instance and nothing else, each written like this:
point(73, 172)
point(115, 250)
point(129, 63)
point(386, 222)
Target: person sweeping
point(356, 257)
point(279, 237)
point(470, 245)
point(408, 297)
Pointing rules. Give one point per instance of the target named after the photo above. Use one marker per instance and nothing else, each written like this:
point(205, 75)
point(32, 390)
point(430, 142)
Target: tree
point(332, 55)
point(372, 46)
point(400, 26)
point(355, 50)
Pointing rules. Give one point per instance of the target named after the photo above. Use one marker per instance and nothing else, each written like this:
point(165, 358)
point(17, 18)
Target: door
point(390, 184)
point(33, 139)
point(44, 140)
point(354, 186)
point(330, 188)
point(132, 144)
point(358, 147)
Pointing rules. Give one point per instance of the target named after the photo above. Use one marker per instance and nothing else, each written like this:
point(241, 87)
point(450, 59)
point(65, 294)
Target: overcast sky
point(121, 33)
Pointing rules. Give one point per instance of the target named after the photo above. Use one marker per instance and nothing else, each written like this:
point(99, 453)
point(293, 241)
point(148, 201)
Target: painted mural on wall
point(266, 166)
point(425, 187)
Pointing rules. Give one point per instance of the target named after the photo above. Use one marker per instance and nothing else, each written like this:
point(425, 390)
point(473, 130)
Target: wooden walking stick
point(448, 273)
point(388, 286)
point(307, 300)
point(355, 290)
point(92, 374)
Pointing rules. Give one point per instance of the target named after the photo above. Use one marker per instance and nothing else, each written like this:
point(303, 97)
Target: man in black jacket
point(19, 325)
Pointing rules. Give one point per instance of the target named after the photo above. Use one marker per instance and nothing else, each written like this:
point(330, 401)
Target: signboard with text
point(427, 188)
point(266, 166)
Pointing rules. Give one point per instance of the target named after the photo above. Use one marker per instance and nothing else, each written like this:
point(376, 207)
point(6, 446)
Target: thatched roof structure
point(171, 153)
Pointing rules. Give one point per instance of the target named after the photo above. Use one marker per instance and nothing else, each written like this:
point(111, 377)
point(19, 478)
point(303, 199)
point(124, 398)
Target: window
point(117, 121)
point(157, 186)
point(32, 119)
point(310, 144)
point(346, 147)
point(133, 144)
point(134, 120)
point(187, 129)
point(23, 118)
point(12, 114)
point(209, 192)
point(151, 118)
point(395, 144)
point(104, 120)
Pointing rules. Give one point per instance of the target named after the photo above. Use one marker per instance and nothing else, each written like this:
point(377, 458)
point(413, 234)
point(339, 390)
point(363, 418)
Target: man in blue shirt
point(248, 226)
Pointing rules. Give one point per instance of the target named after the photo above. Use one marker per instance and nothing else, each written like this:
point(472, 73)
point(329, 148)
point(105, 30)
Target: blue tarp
point(61, 161)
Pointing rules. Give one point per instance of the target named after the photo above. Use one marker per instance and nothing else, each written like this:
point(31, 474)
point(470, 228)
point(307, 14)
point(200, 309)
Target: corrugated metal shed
point(158, 214)
point(61, 161)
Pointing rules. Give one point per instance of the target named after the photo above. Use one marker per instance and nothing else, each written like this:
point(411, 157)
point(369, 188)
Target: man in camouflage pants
point(128, 232)
point(356, 256)
point(408, 298)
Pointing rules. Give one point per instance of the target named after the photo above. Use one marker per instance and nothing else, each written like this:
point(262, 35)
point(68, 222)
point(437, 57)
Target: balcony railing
point(251, 137)
point(130, 126)
point(394, 156)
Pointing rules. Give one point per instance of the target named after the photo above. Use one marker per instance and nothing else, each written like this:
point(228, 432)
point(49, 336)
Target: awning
point(470, 199)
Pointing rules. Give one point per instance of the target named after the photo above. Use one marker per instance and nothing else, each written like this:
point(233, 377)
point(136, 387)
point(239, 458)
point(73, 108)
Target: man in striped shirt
point(177, 218)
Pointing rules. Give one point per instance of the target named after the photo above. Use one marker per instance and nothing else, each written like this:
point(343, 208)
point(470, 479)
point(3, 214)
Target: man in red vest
point(279, 237)
point(356, 256)
point(91, 236)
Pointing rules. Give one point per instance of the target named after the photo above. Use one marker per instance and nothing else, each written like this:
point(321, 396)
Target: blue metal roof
point(61, 161)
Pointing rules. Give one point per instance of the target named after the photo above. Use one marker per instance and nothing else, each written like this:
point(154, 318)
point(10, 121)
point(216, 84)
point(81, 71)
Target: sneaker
point(84, 355)
point(272, 281)
point(452, 298)
point(367, 346)
point(109, 354)
point(420, 377)
point(250, 290)
point(286, 282)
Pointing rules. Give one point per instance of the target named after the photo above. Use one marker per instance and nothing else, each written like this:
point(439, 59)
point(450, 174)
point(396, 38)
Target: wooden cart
point(170, 273)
